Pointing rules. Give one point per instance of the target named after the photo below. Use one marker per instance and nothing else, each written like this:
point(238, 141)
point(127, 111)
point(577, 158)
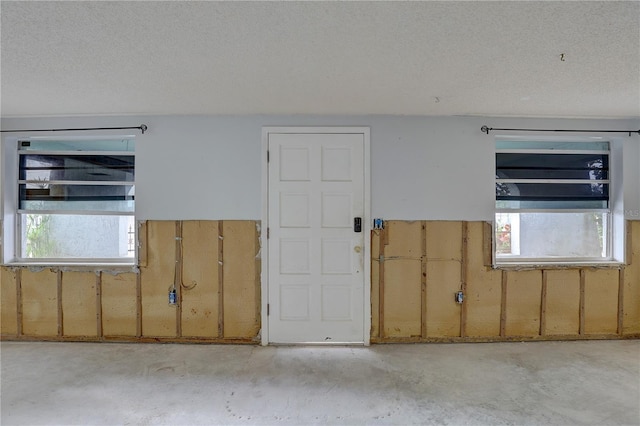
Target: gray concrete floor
point(595, 382)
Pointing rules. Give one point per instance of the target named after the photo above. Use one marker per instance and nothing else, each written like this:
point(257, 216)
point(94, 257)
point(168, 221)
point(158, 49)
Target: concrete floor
point(595, 382)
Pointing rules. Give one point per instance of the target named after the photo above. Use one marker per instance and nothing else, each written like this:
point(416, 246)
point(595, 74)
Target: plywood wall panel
point(631, 287)
point(142, 242)
point(375, 283)
point(119, 304)
point(402, 298)
point(562, 313)
point(484, 287)
point(601, 301)
point(402, 288)
point(39, 303)
point(404, 239)
point(524, 289)
point(8, 305)
point(444, 240)
point(241, 286)
point(443, 313)
point(79, 306)
point(158, 318)
point(200, 279)
point(444, 257)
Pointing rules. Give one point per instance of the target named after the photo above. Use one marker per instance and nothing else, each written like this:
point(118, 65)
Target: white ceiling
point(422, 58)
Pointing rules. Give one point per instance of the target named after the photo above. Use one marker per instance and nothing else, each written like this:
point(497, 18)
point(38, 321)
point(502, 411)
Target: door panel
point(316, 259)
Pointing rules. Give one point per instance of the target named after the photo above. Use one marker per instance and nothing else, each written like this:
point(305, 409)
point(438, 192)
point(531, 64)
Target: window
point(75, 201)
point(552, 201)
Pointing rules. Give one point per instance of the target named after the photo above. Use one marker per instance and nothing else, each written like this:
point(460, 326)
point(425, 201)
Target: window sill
point(524, 265)
point(75, 266)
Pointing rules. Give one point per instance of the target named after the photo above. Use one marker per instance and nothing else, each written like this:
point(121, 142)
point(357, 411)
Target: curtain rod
point(142, 128)
point(486, 130)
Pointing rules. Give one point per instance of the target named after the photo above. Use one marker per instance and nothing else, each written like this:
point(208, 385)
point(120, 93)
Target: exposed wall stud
point(629, 242)
point(220, 279)
point(258, 274)
point(60, 313)
point(582, 287)
point(543, 305)
point(139, 304)
point(99, 304)
point(382, 239)
point(464, 256)
point(503, 305)
point(143, 243)
point(423, 299)
point(620, 301)
point(19, 300)
point(375, 282)
point(177, 278)
point(487, 244)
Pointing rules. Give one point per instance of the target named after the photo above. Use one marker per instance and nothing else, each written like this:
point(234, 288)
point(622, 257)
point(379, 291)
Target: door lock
point(357, 224)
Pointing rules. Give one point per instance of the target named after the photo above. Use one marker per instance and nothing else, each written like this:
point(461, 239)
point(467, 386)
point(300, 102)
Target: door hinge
point(267, 156)
point(268, 309)
point(267, 233)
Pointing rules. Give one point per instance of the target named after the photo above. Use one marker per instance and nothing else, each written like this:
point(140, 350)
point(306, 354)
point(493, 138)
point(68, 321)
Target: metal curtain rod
point(142, 128)
point(486, 130)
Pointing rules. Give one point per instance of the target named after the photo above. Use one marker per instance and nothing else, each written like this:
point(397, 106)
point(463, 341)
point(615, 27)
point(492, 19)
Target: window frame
point(611, 233)
point(13, 214)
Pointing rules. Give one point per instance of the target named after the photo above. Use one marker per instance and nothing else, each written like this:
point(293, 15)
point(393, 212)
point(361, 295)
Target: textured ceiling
point(561, 59)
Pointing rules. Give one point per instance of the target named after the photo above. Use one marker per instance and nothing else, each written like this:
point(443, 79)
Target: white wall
point(433, 168)
point(632, 176)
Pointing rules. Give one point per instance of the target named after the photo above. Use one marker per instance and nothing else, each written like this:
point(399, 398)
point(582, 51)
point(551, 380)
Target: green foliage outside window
point(38, 233)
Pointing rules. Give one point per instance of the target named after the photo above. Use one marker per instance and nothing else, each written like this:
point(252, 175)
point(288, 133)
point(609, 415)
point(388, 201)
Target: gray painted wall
point(432, 168)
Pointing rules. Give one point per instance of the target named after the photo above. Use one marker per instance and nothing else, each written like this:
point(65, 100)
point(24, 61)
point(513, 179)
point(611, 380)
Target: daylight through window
point(76, 200)
point(552, 201)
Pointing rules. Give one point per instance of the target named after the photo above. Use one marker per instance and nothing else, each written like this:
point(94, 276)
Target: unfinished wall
point(417, 267)
point(216, 272)
point(630, 289)
point(119, 304)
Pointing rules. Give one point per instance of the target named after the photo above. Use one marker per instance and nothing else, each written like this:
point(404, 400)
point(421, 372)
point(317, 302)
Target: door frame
point(366, 228)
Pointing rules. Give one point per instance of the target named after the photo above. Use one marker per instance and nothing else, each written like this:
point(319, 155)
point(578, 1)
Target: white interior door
point(316, 276)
